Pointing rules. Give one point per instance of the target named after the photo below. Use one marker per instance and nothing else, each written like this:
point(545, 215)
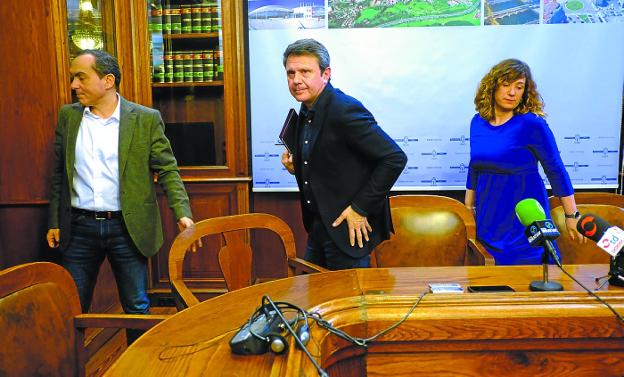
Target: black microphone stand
point(616, 270)
point(544, 285)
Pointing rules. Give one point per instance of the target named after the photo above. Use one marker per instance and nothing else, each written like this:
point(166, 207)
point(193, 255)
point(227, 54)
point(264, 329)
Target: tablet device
point(490, 288)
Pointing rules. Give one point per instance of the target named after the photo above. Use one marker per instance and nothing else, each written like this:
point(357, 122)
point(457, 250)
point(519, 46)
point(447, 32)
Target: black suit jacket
point(352, 162)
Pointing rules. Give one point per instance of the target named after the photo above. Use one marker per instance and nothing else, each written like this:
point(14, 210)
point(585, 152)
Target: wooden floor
point(115, 346)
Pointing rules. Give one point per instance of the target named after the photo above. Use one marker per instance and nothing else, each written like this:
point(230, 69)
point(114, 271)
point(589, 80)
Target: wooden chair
point(608, 206)
point(41, 324)
point(235, 253)
point(430, 230)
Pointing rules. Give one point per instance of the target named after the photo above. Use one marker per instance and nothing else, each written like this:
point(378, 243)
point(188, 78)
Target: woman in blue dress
point(508, 137)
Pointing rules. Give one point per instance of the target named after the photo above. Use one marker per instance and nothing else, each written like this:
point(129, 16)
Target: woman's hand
point(572, 232)
point(569, 207)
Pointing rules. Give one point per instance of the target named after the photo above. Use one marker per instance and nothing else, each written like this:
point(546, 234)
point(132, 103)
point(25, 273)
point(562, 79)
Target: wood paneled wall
point(34, 68)
point(284, 205)
point(28, 109)
point(207, 200)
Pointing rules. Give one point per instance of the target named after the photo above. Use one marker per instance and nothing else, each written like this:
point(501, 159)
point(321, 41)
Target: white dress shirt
point(96, 171)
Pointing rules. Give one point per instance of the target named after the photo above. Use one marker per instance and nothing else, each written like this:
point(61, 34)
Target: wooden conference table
point(469, 334)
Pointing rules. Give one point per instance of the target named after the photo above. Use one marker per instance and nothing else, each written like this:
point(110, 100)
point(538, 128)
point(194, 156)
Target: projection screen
point(416, 66)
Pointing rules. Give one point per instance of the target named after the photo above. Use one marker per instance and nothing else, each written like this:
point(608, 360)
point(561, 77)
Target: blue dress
point(503, 170)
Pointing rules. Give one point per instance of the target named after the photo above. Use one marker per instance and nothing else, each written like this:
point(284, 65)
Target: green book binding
point(188, 66)
point(198, 67)
point(218, 63)
point(208, 65)
point(215, 17)
point(196, 19)
point(185, 18)
point(169, 66)
point(178, 66)
point(176, 19)
point(166, 19)
point(159, 74)
point(156, 19)
point(206, 19)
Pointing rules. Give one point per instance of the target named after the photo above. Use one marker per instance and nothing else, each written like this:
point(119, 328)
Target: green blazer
point(143, 151)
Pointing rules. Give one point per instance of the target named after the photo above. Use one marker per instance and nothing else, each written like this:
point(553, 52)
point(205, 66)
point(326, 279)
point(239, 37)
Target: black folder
point(288, 133)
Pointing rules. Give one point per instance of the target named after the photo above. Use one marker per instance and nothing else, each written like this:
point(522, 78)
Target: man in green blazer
point(102, 195)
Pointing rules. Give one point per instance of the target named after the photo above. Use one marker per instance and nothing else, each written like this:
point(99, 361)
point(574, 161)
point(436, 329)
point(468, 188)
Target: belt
point(98, 215)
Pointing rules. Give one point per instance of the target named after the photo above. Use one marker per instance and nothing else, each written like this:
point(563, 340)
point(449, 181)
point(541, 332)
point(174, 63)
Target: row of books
point(189, 66)
point(171, 18)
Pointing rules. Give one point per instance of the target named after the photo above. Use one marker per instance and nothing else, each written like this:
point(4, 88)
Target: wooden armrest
point(104, 321)
point(304, 267)
point(127, 321)
point(479, 253)
point(183, 296)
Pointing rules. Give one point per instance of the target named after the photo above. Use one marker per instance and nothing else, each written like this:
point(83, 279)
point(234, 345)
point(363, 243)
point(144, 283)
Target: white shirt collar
point(115, 116)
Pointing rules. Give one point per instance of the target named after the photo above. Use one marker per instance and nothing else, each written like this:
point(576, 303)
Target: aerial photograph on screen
point(583, 11)
point(511, 12)
point(402, 13)
point(286, 14)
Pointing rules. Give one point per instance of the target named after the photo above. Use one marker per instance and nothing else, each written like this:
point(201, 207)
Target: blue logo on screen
point(433, 181)
point(462, 139)
point(266, 155)
point(577, 138)
point(604, 152)
point(577, 165)
point(406, 140)
point(462, 168)
point(604, 179)
point(434, 154)
point(266, 183)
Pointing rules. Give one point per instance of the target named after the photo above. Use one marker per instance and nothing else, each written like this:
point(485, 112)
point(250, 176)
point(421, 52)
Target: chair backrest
point(429, 230)
point(608, 206)
point(41, 326)
point(234, 250)
point(38, 302)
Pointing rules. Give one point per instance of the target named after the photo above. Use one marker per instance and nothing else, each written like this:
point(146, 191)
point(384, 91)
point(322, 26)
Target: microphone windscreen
point(592, 226)
point(529, 210)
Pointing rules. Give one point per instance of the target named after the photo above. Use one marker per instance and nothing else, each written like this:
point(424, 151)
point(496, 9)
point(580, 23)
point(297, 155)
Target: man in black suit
point(345, 164)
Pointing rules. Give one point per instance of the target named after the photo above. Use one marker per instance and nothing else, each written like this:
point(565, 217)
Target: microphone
point(254, 337)
point(302, 336)
point(540, 231)
point(608, 238)
point(529, 210)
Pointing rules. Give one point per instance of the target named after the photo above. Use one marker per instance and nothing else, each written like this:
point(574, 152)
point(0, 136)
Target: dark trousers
point(91, 241)
point(322, 251)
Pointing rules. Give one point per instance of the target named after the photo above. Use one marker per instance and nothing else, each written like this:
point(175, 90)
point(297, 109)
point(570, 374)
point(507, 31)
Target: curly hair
point(508, 70)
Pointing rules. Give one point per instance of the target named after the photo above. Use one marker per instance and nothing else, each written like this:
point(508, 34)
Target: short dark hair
point(311, 47)
point(105, 64)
